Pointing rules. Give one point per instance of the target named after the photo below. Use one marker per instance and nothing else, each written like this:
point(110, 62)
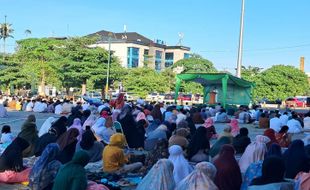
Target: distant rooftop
point(132, 37)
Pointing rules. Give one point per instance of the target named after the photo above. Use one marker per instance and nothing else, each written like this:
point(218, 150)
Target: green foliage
point(142, 81)
point(250, 73)
point(281, 81)
point(11, 74)
point(195, 64)
point(61, 63)
point(85, 65)
point(40, 59)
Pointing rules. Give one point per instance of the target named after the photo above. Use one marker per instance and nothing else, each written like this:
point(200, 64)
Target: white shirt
point(67, 107)
point(6, 138)
point(180, 117)
point(85, 106)
point(275, 124)
point(162, 110)
point(294, 126)
point(106, 134)
point(284, 119)
point(39, 107)
point(29, 106)
point(58, 109)
point(99, 128)
point(307, 123)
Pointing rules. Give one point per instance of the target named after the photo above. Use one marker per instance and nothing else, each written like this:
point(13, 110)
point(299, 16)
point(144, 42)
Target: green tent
point(229, 89)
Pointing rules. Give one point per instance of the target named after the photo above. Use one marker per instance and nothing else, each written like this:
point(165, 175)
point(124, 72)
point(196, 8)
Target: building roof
point(132, 37)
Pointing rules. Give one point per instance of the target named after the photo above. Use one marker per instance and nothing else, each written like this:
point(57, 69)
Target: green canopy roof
point(238, 89)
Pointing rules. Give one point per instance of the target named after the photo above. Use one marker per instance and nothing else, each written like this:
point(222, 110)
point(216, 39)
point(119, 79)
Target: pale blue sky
point(276, 31)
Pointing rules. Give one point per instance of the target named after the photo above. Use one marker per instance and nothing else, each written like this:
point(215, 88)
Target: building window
point(169, 59)
point(132, 57)
point(146, 55)
point(187, 55)
point(158, 57)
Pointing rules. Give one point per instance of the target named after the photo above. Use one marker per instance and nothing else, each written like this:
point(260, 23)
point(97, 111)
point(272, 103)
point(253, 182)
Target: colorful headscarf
point(140, 116)
point(160, 177)
point(209, 122)
point(254, 152)
point(118, 140)
point(45, 169)
point(234, 127)
point(270, 133)
point(198, 179)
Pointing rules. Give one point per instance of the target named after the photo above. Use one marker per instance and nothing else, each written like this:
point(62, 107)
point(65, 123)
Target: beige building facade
point(135, 50)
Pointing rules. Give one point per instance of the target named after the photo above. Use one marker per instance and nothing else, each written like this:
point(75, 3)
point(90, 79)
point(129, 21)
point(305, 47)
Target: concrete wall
point(178, 54)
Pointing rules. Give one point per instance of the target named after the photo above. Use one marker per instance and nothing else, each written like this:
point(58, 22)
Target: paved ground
point(16, 120)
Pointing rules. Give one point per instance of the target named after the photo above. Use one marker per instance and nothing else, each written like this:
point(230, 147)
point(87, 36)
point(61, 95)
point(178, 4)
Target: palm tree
point(27, 32)
point(5, 32)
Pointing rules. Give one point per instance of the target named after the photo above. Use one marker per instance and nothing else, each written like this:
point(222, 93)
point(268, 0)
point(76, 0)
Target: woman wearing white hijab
point(90, 121)
point(254, 152)
point(181, 165)
point(200, 178)
point(46, 125)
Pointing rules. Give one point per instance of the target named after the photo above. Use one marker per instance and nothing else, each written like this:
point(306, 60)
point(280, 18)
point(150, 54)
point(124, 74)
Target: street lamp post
point(108, 69)
point(239, 61)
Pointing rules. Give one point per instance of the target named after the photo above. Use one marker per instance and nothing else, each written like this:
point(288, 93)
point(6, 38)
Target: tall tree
point(250, 73)
point(41, 58)
point(6, 31)
point(13, 74)
point(142, 81)
point(281, 81)
point(85, 65)
point(194, 64)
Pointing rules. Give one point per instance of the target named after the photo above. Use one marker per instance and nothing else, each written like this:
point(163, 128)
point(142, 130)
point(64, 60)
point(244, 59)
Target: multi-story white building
point(135, 50)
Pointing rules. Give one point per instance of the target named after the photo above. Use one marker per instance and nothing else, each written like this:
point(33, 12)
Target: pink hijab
point(234, 127)
point(77, 124)
point(208, 123)
point(141, 116)
point(254, 152)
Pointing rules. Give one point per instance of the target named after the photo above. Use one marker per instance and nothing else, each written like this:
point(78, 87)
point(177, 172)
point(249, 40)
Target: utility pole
point(108, 69)
point(240, 49)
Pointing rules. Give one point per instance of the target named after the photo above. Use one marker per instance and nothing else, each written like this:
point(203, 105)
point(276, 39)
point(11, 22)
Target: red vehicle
point(295, 102)
point(185, 97)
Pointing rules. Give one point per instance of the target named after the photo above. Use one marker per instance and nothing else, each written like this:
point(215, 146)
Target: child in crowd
point(6, 136)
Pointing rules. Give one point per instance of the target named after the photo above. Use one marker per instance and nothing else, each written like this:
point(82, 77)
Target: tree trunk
point(84, 87)
point(3, 49)
point(8, 90)
point(43, 83)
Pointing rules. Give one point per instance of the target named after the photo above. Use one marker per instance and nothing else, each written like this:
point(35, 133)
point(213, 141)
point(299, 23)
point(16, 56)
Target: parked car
point(169, 98)
point(93, 94)
point(152, 97)
point(295, 102)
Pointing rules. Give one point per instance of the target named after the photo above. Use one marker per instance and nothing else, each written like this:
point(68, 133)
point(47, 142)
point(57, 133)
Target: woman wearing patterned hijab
point(160, 177)
point(199, 178)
